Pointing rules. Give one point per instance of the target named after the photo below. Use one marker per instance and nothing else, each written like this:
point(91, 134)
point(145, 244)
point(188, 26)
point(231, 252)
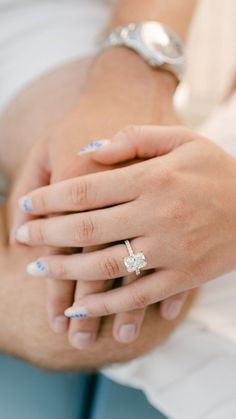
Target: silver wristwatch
point(154, 42)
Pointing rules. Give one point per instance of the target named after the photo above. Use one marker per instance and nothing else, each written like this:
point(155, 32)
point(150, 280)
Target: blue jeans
point(27, 392)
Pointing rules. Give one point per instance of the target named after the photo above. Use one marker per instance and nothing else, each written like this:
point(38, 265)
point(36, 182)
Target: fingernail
point(127, 332)
point(12, 238)
point(38, 268)
point(22, 234)
point(94, 146)
point(76, 312)
point(81, 340)
point(173, 310)
point(59, 324)
point(25, 204)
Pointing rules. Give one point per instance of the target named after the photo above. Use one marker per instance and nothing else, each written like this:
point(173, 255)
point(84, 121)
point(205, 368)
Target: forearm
point(123, 78)
point(176, 14)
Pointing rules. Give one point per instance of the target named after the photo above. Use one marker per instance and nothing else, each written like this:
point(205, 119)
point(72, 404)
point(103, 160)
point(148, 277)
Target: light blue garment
point(27, 392)
point(113, 401)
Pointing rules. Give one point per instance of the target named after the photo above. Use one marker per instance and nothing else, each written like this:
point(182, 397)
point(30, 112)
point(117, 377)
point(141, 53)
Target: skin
point(24, 328)
point(175, 14)
point(62, 163)
point(112, 97)
point(25, 332)
point(182, 197)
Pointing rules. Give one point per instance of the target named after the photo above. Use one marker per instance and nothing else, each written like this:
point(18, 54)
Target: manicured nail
point(127, 332)
point(38, 268)
point(76, 312)
point(22, 234)
point(25, 204)
point(94, 146)
point(59, 324)
point(12, 238)
point(82, 340)
point(173, 310)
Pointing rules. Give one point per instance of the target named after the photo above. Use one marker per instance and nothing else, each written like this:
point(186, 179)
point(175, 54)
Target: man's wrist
point(122, 64)
point(121, 81)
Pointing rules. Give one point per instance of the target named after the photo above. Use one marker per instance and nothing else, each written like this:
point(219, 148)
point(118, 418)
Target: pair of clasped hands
point(170, 192)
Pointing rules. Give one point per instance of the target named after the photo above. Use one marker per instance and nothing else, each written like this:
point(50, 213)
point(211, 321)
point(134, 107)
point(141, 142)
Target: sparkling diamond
point(124, 33)
point(135, 262)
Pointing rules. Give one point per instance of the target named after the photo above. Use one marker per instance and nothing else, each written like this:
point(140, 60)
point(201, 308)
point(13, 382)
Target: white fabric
point(193, 375)
point(36, 36)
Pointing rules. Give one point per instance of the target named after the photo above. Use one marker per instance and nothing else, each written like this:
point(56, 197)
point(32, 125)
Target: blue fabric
point(27, 392)
point(113, 401)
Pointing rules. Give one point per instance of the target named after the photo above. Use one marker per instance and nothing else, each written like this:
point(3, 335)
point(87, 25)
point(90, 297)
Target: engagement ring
point(135, 261)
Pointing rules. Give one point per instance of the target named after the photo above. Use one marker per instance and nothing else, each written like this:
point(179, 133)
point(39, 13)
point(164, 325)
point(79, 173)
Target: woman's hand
point(178, 209)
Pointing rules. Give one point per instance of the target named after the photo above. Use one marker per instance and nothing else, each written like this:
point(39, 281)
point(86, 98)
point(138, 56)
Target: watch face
point(161, 41)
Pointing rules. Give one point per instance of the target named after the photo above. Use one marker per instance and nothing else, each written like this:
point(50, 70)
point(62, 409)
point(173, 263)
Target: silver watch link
point(155, 43)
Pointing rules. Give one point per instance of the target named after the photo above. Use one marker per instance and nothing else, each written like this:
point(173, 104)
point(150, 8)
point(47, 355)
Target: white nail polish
point(94, 146)
point(38, 268)
point(76, 312)
point(25, 204)
point(22, 234)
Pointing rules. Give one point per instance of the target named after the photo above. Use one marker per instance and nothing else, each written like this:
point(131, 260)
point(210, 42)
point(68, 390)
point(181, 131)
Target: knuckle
point(109, 267)
point(183, 132)
point(79, 192)
point(39, 202)
point(178, 210)
point(58, 269)
point(38, 233)
point(139, 300)
point(159, 176)
point(164, 176)
point(84, 231)
point(130, 131)
point(105, 308)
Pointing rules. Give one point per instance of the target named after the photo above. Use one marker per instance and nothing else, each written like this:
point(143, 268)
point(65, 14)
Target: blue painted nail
point(78, 316)
point(94, 146)
point(38, 268)
point(25, 204)
point(76, 312)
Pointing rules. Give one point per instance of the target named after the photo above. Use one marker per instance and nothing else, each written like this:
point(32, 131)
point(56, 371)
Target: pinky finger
point(172, 306)
point(127, 325)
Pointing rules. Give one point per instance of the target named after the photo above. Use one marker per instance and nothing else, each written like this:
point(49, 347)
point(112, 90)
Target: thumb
point(143, 142)
point(34, 174)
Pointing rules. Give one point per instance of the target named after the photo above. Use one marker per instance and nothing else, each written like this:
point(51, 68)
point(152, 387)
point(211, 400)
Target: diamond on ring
point(135, 261)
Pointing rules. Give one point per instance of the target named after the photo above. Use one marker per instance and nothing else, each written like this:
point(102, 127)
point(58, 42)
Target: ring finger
point(107, 263)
